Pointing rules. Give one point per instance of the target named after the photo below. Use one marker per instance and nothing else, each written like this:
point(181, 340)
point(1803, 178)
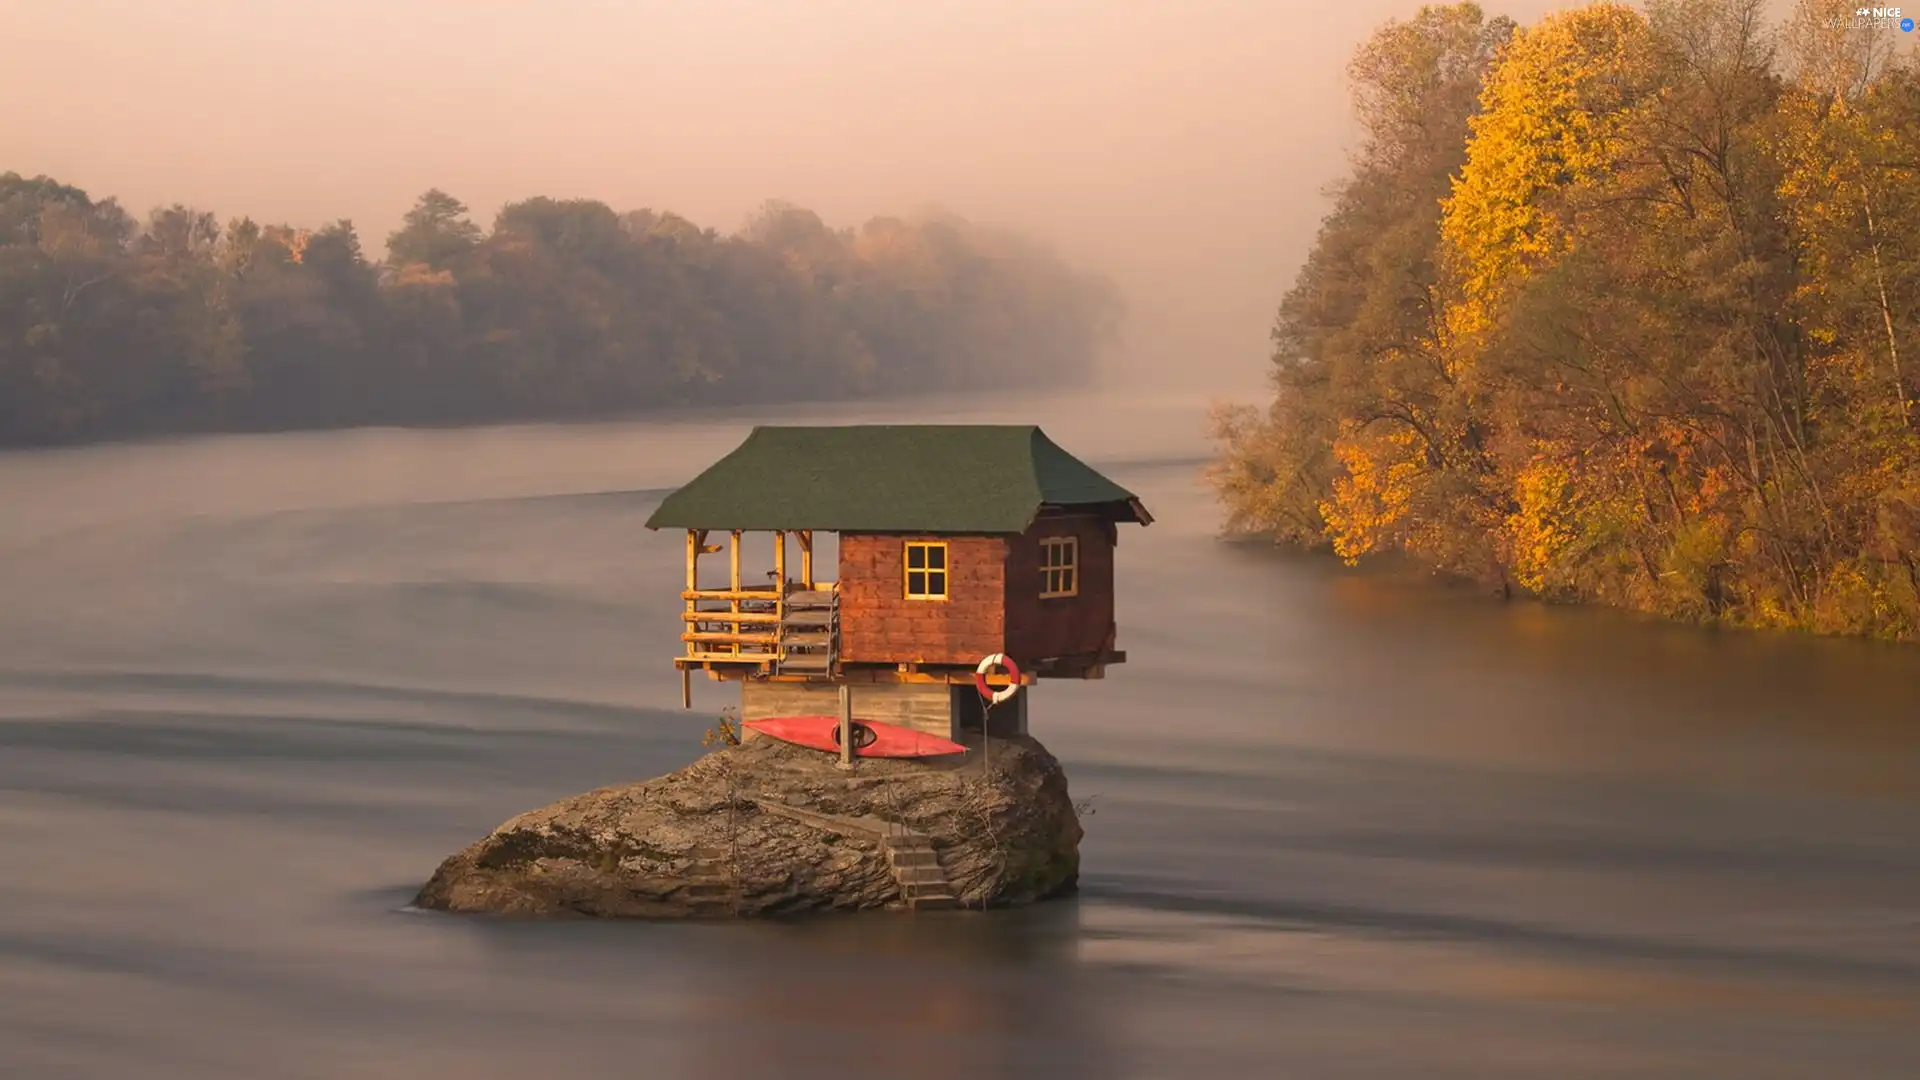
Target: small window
point(1059, 566)
point(926, 570)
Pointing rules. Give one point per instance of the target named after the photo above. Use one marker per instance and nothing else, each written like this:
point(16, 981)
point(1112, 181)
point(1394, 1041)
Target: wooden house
point(955, 542)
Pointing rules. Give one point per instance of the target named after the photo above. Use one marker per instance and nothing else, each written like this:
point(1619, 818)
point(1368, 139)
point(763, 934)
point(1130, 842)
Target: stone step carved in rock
point(916, 869)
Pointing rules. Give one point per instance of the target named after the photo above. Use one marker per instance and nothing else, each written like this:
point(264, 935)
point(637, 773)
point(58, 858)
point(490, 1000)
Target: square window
point(926, 570)
point(1059, 566)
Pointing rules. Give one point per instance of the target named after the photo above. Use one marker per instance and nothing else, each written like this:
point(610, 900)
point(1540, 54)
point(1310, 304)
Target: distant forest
point(1619, 307)
point(114, 327)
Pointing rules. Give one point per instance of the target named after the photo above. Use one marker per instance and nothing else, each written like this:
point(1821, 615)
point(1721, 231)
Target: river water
point(253, 689)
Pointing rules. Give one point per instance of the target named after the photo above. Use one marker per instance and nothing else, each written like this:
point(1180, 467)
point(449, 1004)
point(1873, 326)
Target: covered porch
point(761, 621)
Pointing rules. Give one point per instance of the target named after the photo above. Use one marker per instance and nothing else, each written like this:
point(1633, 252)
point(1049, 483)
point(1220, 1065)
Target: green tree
point(564, 308)
point(436, 232)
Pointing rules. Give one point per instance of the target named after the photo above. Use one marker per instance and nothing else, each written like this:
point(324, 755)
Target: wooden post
point(694, 539)
point(734, 604)
point(806, 559)
point(846, 726)
point(986, 736)
point(780, 590)
point(686, 685)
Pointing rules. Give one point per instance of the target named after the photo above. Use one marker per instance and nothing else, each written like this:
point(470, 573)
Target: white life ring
point(1005, 693)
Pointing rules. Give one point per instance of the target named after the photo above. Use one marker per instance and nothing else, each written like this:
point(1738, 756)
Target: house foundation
point(947, 710)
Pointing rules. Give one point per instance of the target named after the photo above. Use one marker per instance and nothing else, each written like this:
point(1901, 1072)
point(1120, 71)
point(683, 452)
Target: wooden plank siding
point(1039, 629)
point(878, 624)
point(922, 706)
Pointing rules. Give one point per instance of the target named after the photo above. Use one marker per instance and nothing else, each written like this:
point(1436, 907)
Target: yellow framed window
point(926, 570)
point(1059, 566)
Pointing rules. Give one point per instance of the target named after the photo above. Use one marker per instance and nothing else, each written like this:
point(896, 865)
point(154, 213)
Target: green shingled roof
point(933, 478)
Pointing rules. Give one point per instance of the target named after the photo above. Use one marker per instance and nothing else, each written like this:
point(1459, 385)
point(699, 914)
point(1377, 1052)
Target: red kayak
point(870, 737)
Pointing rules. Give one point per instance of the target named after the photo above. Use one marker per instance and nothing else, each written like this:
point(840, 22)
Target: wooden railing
point(758, 624)
point(733, 624)
point(744, 624)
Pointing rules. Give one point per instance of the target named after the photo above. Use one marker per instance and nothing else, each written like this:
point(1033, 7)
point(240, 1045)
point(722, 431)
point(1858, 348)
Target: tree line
point(112, 327)
point(1619, 307)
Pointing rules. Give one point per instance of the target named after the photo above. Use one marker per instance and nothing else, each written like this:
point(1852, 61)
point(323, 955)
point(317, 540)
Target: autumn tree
point(1369, 437)
point(1848, 142)
point(1669, 368)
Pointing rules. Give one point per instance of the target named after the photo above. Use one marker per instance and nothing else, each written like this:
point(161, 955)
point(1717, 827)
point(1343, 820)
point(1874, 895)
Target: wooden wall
point(1039, 629)
point(878, 624)
point(923, 706)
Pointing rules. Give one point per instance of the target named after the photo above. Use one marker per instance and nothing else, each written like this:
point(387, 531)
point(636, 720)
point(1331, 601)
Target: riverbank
point(1592, 413)
point(563, 309)
point(1400, 566)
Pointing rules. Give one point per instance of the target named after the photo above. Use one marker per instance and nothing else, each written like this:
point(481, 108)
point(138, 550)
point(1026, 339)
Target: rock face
point(767, 828)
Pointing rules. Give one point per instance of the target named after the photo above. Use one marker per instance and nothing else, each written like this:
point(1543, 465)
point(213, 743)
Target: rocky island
point(768, 828)
point(959, 548)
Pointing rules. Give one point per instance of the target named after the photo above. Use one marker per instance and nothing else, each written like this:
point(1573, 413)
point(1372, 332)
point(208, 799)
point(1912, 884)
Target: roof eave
point(1129, 510)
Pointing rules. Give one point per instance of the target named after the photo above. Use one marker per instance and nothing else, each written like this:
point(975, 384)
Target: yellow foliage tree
point(1372, 496)
point(1656, 345)
point(1541, 527)
point(1553, 116)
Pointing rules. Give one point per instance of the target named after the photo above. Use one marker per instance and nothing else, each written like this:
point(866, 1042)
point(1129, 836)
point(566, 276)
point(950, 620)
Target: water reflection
point(936, 996)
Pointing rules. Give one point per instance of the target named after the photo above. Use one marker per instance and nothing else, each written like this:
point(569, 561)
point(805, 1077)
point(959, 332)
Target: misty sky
point(1181, 146)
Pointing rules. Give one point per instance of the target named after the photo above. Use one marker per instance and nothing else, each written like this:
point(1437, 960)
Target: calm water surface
point(253, 689)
